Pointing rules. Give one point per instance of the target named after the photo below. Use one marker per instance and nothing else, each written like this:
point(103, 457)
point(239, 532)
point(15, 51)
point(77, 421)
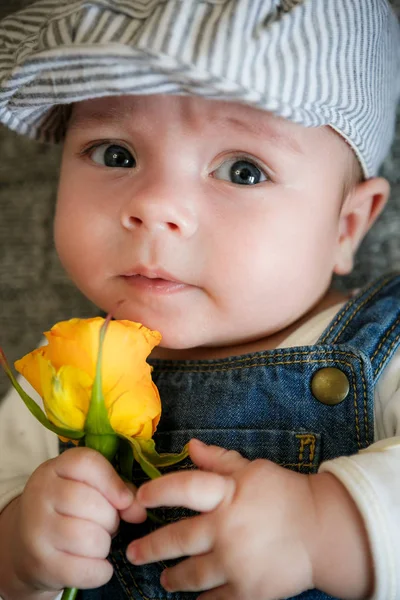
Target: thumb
point(215, 459)
point(134, 513)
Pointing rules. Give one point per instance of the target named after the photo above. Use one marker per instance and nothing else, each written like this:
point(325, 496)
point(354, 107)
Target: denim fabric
point(261, 404)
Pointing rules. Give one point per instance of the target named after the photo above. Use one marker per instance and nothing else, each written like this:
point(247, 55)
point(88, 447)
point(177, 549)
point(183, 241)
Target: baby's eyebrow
point(93, 119)
point(264, 129)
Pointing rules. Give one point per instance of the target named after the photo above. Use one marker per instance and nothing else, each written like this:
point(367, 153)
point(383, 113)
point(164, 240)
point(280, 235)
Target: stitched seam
point(351, 317)
point(366, 423)
point(121, 577)
point(262, 357)
point(383, 340)
point(264, 361)
point(340, 315)
point(138, 589)
point(306, 439)
point(350, 305)
point(134, 580)
point(135, 583)
point(355, 405)
point(387, 353)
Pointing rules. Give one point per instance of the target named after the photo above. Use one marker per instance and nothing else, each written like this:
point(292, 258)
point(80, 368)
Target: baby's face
point(212, 222)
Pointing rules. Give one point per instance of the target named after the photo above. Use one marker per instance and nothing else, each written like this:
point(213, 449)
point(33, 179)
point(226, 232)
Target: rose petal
point(66, 395)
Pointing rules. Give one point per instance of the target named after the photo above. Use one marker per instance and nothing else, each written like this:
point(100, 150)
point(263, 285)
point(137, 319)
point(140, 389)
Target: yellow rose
point(63, 373)
point(97, 389)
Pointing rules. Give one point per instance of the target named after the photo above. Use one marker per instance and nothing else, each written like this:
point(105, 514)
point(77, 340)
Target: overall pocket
point(296, 450)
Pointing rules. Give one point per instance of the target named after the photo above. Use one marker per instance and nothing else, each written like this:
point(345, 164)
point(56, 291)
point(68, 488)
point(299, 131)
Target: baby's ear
point(360, 209)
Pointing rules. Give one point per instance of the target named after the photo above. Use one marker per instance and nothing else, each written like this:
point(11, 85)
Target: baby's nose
point(160, 215)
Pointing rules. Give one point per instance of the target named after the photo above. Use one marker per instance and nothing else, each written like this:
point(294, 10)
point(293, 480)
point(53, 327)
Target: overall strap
point(370, 322)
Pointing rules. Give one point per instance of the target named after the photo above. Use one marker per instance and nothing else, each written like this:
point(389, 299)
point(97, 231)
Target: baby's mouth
point(158, 281)
point(152, 274)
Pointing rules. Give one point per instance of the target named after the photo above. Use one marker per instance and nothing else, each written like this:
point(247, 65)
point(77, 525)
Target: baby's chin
point(188, 335)
point(211, 350)
point(176, 338)
point(180, 344)
point(192, 353)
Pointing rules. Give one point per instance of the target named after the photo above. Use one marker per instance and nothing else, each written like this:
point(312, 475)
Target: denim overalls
point(262, 404)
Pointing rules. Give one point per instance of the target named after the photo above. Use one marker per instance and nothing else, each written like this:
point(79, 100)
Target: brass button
point(330, 386)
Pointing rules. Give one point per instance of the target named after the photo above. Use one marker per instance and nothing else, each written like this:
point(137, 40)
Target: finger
point(135, 512)
point(197, 490)
point(184, 538)
point(77, 572)
point(76, 499)
point(195, 574)
point(80, 538)
point(224, 592)
point(90, 467)
point(215, 459)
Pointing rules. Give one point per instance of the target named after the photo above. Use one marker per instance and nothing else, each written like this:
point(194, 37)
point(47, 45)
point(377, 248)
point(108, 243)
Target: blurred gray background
point(34, 291)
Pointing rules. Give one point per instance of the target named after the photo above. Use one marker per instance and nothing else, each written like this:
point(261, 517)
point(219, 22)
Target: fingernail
point(131, 554)
point(199, 442)
point(127, 495)
point(164, 581)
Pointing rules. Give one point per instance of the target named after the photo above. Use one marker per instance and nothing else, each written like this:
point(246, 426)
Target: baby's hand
point(249, 541)
point(265, 532)
point(65, 520)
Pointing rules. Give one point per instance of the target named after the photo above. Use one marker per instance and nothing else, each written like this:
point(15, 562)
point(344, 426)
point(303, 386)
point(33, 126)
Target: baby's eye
point(240, 171)
point(113, 155)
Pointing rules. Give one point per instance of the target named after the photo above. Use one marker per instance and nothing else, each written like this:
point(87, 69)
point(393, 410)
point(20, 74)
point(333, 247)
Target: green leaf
point(150, 470)
point(148, 458)
point(148, 448)
point(35, 409)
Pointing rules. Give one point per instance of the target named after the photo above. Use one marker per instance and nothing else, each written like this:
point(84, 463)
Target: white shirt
point(372, 476)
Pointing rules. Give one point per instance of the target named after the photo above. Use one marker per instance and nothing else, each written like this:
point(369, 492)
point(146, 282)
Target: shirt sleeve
point(372, 477)
point(24, 443)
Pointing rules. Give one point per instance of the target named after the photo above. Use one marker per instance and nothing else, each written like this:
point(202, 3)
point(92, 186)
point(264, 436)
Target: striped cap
point(315, 62)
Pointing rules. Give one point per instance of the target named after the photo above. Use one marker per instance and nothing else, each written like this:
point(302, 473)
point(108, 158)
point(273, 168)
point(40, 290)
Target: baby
point(219, 165)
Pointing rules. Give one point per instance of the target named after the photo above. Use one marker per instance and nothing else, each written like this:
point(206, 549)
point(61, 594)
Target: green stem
point(99, 433)
point(69, 594)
